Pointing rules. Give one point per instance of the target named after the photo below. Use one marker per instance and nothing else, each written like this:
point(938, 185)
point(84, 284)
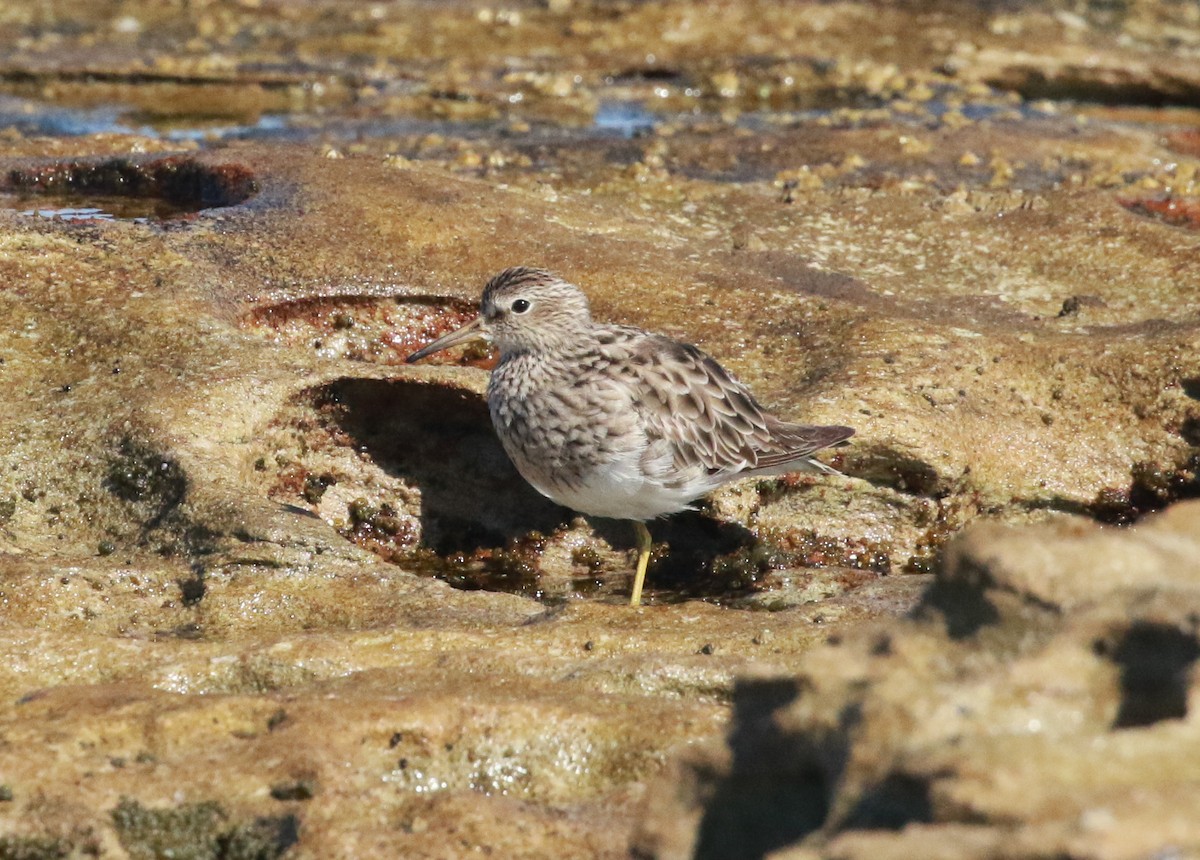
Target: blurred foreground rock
point(1042, 702)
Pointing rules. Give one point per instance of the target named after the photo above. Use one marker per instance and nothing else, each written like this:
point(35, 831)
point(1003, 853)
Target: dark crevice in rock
point(151, 481)
point(1189, 430)
point(899, 799)
point(666, 74)
point(1175, 211)
point(193, 589)
point(1085, 85)
point(309, 308)
point(965, 607)
point(1156, 663)
point(1152, 487)
point(94, 75)
point(155, 488)
point(772, 795)
point(887, 468)
point(1056, 504)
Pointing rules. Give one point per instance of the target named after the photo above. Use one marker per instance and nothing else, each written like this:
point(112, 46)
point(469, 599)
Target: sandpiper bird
point(614, 421)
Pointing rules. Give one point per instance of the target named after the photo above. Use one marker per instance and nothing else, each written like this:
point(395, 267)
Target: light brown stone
point(999, 723)
point(207, 429)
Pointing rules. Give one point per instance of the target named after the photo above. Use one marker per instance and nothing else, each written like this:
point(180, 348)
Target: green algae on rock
point(200, 831)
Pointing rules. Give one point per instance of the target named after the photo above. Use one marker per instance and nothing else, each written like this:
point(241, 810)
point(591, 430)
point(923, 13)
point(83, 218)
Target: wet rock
point(225, 504)
point(233, 586)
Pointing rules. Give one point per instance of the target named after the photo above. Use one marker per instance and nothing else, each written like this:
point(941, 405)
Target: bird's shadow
point(440, 441)
point(695, 545)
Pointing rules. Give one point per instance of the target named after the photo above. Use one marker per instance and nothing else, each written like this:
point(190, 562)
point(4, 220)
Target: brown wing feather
point(800, 441)
point(709, 420)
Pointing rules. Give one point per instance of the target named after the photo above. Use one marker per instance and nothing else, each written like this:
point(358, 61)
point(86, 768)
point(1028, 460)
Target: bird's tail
point(797, 443)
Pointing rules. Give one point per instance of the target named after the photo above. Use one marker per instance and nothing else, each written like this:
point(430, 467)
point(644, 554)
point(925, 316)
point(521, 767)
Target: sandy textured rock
point(226, 504)
point(1028, 709)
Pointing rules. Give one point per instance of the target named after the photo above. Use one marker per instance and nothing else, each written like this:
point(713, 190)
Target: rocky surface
point(230, 517)
point(1041, 703)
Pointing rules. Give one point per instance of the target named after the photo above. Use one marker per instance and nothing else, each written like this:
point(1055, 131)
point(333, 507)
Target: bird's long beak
point(473, 330)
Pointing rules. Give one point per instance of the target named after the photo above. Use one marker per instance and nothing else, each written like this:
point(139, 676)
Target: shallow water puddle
point(140, 210)
point(156, 189)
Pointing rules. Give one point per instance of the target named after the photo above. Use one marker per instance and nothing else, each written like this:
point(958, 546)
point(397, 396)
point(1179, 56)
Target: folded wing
point(710, 422)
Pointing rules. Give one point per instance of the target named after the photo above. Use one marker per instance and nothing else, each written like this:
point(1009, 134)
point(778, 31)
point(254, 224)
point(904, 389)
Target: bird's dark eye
point(520, 306)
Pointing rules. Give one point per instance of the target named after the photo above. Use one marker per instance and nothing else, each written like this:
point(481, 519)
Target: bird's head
point(523, 310)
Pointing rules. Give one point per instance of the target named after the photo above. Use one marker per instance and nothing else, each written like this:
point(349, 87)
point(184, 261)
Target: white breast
point(586, 447)
point(621, 490)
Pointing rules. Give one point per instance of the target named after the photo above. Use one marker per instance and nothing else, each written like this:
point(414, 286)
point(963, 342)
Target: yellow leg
point(643, 544)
